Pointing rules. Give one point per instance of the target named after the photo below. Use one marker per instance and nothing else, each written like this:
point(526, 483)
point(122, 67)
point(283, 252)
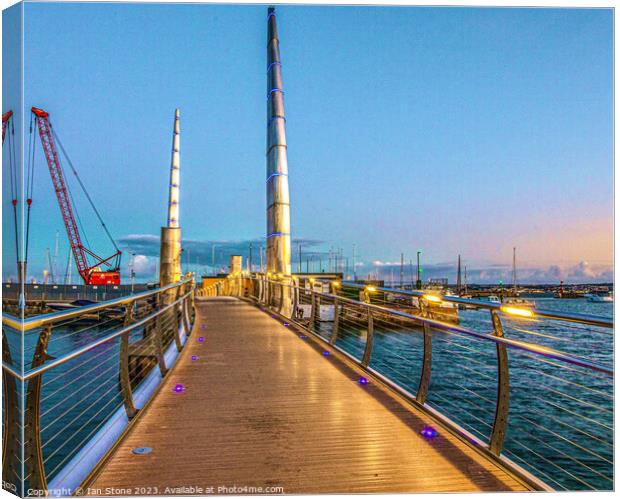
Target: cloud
point(579, 273)
point(144, 266)
point(212, 253)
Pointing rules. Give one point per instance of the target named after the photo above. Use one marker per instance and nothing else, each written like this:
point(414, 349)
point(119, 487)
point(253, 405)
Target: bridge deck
point(264, 408)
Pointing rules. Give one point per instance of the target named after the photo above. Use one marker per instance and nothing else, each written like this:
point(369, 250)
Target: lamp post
point(418, 282)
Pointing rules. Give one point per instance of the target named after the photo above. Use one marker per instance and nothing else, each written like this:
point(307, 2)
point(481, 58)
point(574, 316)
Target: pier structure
point(170, 250)
point(284, 386)
point(278, 199)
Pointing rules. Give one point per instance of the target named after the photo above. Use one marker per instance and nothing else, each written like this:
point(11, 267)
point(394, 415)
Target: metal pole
point(170, 249)
point(354, 271)
point(278, 202)
point(250, 259)
point(418, 282)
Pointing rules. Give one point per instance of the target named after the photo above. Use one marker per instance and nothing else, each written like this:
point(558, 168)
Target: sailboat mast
point(514, 270)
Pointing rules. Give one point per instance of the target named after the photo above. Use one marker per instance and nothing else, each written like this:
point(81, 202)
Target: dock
point(264, 407)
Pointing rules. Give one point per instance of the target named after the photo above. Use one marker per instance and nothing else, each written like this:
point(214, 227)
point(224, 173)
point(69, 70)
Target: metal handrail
point(164, 332)
point(38, 321)
point(435, 324)
point(591, 320)
point(283, 296)
point(86, 348)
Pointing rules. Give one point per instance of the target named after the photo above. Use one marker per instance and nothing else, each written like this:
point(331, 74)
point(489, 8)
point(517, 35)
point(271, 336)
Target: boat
point(515, 301)
point(596, 298)
point(490, 298)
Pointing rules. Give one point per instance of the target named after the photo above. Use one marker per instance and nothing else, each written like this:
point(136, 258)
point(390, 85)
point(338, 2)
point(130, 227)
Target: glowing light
point(432, 298)
point(276, 63)
point(194, 357)
point(303, 336)
point(312, 280)
point(371, 289)
point(276, 234)
point(362, 380)
point(276, 174)
point(179, 388)
point(142, 450)
point(326, 353)
point(521, 312)
point(201, 339)
point(429, 432)
point(286, 324)
point(336, 284)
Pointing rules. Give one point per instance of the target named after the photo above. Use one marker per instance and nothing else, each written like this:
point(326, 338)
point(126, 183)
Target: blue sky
point(451, 130)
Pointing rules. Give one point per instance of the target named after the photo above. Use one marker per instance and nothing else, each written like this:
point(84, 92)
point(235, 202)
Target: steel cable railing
point(86, 374)
point(533, 389)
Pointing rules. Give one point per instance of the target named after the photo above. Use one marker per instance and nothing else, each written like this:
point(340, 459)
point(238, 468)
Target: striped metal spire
point(175, 173)
point(278, 202)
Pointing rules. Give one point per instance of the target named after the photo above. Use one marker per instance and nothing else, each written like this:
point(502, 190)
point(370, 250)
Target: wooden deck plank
point(264, 408)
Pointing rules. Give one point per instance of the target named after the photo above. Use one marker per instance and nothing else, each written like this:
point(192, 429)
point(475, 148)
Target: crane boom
point(89, 273)
point(5, 120)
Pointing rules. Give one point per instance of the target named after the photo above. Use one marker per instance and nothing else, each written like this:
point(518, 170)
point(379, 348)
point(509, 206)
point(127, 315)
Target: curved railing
point(74, 380)
point(521, 384)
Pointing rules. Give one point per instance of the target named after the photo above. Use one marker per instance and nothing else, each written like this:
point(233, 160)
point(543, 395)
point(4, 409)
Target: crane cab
point(102, 278)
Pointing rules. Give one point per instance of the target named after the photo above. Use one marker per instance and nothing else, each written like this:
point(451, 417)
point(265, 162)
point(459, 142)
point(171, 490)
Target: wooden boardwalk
point(264, 408)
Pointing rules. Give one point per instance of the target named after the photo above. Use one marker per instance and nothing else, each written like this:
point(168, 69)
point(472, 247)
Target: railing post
point(335, 326)
point(158, 344)
point(179, 318)
point(187, 313)
point(500, 423)
point(11, 466)
point(315, 306)
point(295, 291)
point(427, 361)
point(33, 454)
point(369, 339)
point(125, 379)
point(281, 301)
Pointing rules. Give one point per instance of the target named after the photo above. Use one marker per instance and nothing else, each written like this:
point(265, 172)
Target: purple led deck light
point(303, 336)
point(326, 353)
point(203, 326)
point(429, 432)
point(179, 388)
point(142, 450)
point(194, 357)
point(286, 324)
point(362, 380)
point(201, 339)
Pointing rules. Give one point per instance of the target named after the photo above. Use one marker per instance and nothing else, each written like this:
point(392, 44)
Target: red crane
point(5, 121)
point(88, 268)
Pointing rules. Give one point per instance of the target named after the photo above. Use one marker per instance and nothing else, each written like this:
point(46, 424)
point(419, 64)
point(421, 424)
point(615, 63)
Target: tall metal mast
point(278, 201)
point(458, 276)
point(175, 177)
point(170, 249)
